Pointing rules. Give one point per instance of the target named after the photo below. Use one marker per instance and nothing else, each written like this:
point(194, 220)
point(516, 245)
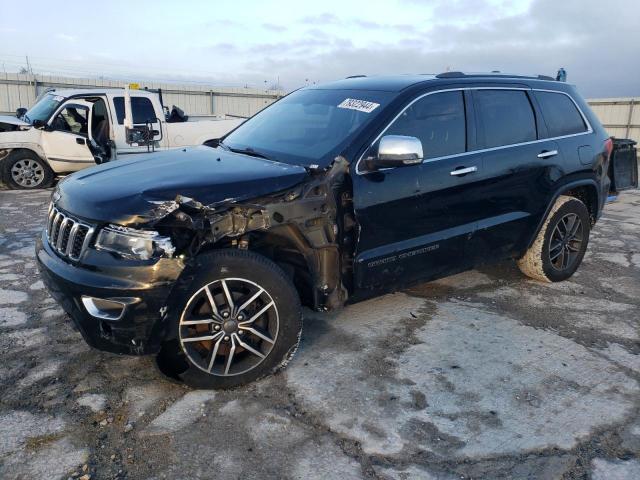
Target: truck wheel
point(239, 320)
point(561, 243)
point(24, 170)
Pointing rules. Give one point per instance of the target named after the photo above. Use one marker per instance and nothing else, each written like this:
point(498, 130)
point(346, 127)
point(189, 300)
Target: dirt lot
point(481, 375)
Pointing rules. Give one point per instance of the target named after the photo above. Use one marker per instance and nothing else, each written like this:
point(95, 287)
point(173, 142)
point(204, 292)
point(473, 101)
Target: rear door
point(519, 171)
point(415, 221)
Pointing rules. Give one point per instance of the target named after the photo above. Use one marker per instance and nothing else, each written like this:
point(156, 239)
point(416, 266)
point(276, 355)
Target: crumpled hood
point(13, 121)
point(130, 191)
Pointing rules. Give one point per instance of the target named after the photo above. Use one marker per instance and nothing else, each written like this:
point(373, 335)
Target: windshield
point(308, 125)
point(43, 109)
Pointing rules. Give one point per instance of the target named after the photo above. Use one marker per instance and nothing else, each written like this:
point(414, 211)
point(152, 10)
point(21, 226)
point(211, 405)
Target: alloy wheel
point(566, 242)
point(229, 326)
point(27, 173)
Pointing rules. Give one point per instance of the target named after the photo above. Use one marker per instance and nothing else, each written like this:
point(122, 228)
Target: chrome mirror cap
point(397, 151)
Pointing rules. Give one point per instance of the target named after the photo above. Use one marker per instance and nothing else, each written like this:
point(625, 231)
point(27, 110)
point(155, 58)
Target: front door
point(415, 221)
point(65, 140)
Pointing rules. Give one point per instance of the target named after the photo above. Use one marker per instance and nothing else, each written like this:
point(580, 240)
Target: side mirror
point(396, 151)
point(20, 112)
point(138, 135)
point(37, 123)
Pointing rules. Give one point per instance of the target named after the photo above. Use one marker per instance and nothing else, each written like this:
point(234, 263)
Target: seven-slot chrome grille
point(67, 236)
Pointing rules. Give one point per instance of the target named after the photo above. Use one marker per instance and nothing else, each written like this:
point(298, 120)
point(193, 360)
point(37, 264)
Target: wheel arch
point(287, 248)
point(585, 190)
point(36, 151)
point(5, 159)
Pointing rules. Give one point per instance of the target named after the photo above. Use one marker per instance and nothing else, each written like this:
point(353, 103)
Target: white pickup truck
point(67, 130)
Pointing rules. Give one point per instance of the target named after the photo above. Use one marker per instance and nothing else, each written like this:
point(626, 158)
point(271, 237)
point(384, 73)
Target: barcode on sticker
point(359, 105)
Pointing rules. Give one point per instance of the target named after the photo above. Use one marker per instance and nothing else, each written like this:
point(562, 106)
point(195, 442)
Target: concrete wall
point(22, 90)
point(620, 116)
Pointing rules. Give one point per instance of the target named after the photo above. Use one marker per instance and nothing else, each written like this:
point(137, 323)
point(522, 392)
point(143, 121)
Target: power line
point(46, 68)
point(91, 67)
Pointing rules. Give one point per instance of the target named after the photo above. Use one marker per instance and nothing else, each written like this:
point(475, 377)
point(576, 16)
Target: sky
point(292, 42)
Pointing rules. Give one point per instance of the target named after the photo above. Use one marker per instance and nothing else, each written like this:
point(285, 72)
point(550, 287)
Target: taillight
point(608, 147)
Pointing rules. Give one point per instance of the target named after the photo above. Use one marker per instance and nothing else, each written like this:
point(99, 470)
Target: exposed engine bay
point(308, 230)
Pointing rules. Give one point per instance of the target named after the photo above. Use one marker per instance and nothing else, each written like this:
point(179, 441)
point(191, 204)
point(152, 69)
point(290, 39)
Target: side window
point(438, 120)
point(73, 119)
point(560, 114)
point(141, 108)
point(505, 116)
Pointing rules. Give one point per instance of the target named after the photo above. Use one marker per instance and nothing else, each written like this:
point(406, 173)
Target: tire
point(237, 334)
point(24, 170)
point(552, 258)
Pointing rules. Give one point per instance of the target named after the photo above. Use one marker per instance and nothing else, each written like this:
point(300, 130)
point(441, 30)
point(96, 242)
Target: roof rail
point(355, 76)
point(451, 75)
point(495, 73)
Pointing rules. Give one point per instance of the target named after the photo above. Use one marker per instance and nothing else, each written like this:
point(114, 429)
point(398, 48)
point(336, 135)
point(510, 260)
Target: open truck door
point(623, 168)
point(65, 138)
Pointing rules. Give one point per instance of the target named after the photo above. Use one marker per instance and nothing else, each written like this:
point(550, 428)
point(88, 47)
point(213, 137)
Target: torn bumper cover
point(139, 329)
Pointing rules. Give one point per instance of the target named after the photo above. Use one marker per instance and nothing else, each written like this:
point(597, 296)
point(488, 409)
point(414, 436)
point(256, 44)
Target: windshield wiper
point(248, 151)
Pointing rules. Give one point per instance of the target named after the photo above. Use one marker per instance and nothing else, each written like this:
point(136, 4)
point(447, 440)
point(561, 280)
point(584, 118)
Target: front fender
point(23, 139)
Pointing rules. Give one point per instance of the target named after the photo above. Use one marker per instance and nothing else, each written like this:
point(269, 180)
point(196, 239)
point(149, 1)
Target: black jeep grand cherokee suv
point(331, 195)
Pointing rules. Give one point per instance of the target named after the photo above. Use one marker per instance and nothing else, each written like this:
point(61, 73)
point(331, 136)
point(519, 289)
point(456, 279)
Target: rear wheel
point(24, 170)
point(561, 243)
point(239, 320)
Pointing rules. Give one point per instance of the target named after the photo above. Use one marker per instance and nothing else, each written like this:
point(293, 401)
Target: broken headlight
point(133, 243)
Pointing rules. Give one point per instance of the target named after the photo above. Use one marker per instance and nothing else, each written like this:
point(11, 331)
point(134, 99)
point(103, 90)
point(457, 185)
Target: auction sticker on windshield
point(359, 105)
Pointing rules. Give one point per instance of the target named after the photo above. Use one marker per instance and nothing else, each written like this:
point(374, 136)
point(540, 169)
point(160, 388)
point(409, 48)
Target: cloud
point(597, 50)
point(274, 28)
point(66, 37)
point(322, 19)
point(369, 25)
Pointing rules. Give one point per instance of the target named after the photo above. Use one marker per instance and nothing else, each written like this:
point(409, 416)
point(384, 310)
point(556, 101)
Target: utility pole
point(35, 83)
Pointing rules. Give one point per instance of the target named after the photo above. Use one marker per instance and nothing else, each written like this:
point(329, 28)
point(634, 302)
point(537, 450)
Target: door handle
point(464, 171)
point(548, 153)
point(80, 141)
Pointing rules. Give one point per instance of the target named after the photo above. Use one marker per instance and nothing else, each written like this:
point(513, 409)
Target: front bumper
point(140, 329)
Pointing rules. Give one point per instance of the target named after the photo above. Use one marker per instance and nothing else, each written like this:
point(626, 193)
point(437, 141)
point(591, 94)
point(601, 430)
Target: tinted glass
point(438, 121)
point(309, 125)
point(560, 114)
point(141, 108)
point(505, 116)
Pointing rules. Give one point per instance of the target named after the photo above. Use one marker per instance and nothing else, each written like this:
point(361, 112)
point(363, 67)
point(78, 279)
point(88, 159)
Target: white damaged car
point(68, 130)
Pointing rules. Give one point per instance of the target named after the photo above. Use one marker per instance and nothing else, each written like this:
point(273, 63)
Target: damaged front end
point(307, 230)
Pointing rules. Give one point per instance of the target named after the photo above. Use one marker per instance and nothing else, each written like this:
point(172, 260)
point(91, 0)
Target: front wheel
point(239, 320)
point(24, 170)
point(561, 243)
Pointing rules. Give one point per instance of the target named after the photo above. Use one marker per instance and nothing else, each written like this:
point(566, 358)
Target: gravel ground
point(481, 375)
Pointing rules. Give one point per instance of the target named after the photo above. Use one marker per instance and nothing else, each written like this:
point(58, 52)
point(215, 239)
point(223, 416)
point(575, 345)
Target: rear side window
point(560, 114)
point(141, 108)
point(506, 117)
point(438, 121)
